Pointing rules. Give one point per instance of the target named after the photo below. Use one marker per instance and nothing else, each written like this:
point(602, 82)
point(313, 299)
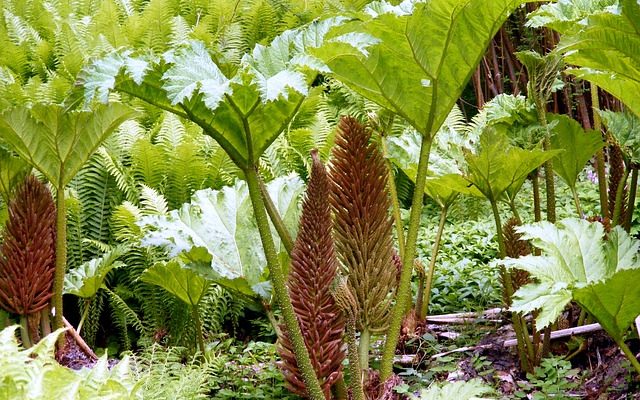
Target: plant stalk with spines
point(384, 130)
point(600, 169)
point(423, 310)
point(522, 337)
point(276, 219)
point(403, 293)
point(314, 390)
point(632, 198)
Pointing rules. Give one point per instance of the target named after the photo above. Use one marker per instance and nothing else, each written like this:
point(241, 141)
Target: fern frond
point(148, 163)
point(152, 202)
point(124, 181)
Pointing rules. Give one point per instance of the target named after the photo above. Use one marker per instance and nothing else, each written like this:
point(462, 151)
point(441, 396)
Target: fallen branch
point(465, 317)
point(81, 343)
point(578, 330)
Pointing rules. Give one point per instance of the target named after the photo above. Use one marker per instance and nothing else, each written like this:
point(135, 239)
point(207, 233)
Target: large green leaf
point(181, 282)
point(615, 303)
point(86, 279)
point(243, 113)
point(415, 59)
point(499, 167)
point(58, 142)
point(625, 128)
point(445, 189)
point(574, 257)
point(577, 147)
point(565, 16)
point(12, 170)
point(216, 234)
point(605, 52)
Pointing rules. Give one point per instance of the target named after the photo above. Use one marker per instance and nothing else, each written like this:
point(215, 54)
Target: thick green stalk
point(196, 317)
point(632, 199)
point(514, 210)
point(282, 295)
point(275, 217)
point(45, 322)
point(619, 195)
point(627, 352)
point(550, 185)
point(340, 391)
point(537, 213)
point(422, 312)
point(508, 291)
point(403, 294)
point(393, 192)
point(61, 261)
point(600, 171)
point(363, 349)
point(85, 312)
point(576, 200)
point(354, 362)
point(24, 332)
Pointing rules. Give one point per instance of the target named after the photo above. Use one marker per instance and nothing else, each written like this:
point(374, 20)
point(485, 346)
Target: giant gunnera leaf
point(415, 58)
point(216, 235)
point(245, 112)
point(579, 262)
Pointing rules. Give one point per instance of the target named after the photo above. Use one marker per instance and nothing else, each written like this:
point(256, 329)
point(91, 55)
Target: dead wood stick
point(578, 330)
point(81, 343)
point(512, 342)
point(490, 315)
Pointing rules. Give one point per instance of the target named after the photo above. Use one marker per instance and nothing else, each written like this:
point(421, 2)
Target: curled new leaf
point(27, 255)
point(362, 223)
point(313, 269)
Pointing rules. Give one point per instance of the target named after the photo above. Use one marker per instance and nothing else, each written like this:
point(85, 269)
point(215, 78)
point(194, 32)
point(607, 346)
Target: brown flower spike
point(362, 224)
point(27, 255)
point(313, 269)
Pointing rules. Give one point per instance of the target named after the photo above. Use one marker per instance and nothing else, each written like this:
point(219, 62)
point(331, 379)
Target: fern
point(98, 194)
point(219, 307)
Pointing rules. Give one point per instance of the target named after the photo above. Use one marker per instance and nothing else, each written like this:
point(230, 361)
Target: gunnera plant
point(27, 258)
point(313, 269)
point(362, 227)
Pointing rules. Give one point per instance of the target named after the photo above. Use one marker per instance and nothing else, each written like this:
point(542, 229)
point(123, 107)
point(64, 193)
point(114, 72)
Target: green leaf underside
point(576, 146)
point(625, 129)
point(58, 142)
point(605, 52)
point(615, 303)
point(216, 236)
point(415, 60)
point(256, 103)
point(12, 170)
point(498, 167)
point(86, 279)
point(181, 282)
point(575, 261)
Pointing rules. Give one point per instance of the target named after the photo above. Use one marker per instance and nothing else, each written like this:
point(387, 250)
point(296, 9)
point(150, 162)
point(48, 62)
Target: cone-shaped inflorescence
point(515, 247)
point(362, 223)
point(27, 254)
point(313, 269)
point(616, 177)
